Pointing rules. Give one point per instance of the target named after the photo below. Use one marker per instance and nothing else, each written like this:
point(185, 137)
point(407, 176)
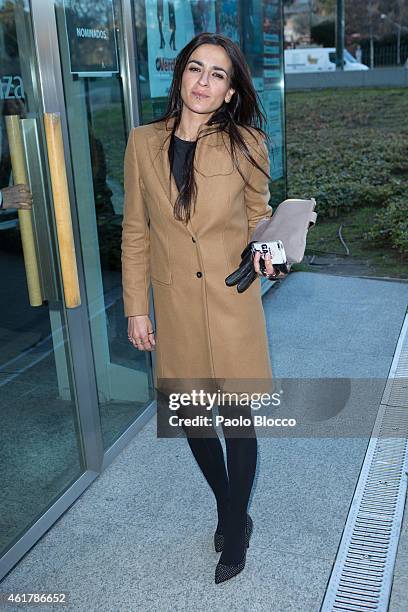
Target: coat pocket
point(213, 161)
point(233, 248)
point(160, 271)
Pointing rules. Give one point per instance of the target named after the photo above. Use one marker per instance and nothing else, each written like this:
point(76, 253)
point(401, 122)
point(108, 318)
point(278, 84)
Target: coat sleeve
point(135, 248)
point(257, 202)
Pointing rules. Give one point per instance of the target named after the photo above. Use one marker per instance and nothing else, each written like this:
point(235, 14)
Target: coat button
point(199, 274)
point(193, 239)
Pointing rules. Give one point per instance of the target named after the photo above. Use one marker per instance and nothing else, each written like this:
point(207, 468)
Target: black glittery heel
point(226, 572)
point(218, 541)
point(219, 537)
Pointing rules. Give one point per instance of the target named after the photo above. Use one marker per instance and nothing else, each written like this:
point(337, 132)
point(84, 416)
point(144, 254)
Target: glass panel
point(89, 37)
point(263, 46)
point(40, 446)
point(255, 25)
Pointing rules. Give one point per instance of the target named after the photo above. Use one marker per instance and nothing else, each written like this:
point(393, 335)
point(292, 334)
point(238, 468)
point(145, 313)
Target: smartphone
point(276, 250)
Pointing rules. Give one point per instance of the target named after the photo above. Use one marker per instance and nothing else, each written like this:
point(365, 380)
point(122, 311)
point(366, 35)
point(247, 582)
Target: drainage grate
point(362, 575)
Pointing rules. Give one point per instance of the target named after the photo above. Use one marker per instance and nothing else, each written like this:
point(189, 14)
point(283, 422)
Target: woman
point(196, 185)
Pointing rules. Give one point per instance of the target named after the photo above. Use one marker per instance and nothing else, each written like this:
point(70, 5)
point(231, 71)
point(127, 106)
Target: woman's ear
point(229, 95)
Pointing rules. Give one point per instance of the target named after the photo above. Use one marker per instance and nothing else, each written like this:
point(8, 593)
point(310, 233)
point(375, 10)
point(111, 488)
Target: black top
point(182, 150)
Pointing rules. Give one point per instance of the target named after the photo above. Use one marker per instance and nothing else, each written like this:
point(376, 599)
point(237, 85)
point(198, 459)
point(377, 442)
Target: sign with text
point(91, 37)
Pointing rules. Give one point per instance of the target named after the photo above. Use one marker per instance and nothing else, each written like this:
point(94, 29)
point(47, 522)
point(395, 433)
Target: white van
point(318, 59)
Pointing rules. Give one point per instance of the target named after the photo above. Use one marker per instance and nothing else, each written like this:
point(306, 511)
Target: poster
point(91, 35)
point(272, 101)
point(272, 95)
point(228, 19)
point(171, 25)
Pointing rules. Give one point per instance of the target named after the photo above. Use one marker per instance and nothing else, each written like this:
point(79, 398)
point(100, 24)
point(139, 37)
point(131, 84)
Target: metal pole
point(399, 26)
point(340, 35)
point(399, 45)
point(370, 21)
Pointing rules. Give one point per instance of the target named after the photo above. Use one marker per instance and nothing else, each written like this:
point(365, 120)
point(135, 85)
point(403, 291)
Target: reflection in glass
point(40, 453)
point(98, 134)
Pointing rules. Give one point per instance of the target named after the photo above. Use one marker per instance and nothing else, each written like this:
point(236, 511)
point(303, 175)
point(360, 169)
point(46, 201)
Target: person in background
point(16, 196)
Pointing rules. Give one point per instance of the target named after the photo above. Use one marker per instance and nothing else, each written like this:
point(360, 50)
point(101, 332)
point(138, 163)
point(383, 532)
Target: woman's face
point(206, 79)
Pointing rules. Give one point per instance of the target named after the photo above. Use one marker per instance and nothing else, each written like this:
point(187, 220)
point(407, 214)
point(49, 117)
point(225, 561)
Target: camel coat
point(204, 329)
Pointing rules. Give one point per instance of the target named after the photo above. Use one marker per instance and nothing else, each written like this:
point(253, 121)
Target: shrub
point(348, 149)
point(390, 226)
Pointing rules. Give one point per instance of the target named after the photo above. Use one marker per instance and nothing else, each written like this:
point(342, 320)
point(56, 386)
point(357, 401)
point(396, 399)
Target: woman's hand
point(270, 272)
point(140, 332)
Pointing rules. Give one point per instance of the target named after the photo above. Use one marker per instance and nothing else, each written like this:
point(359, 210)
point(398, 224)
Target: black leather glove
point(245, 275)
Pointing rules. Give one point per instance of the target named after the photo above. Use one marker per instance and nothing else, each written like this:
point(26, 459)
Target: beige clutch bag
point(289, 223)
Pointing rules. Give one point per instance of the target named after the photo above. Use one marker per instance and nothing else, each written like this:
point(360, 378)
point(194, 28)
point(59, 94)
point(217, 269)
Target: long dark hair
point(242, 111)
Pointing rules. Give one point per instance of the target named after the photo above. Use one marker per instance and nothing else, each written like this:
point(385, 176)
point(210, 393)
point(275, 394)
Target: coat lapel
point(158, 145)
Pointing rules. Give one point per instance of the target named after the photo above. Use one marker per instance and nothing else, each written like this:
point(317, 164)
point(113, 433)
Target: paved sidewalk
point(140, 537)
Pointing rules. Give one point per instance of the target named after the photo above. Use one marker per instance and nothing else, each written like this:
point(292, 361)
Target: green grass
point(349, 149)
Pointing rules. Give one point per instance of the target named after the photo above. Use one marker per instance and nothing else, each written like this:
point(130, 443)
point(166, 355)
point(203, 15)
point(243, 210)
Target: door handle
point(24, 216)
point(41, 215)
point(62, 209)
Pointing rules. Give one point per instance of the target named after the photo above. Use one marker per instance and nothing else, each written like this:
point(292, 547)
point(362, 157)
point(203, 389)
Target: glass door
point(41, 443)
point(98, 112)
point(70, 383)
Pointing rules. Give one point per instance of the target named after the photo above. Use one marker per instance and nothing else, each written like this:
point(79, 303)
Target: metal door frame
point(49, 97)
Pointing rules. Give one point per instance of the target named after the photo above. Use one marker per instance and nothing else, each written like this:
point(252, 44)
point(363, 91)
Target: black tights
point(231, 491)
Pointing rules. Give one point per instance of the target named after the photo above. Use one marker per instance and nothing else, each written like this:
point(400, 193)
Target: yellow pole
point(24, 216)
point(59, 184)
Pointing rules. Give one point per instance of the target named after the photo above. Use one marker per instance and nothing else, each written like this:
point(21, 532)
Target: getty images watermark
point(239, 404)
point(290, 407)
